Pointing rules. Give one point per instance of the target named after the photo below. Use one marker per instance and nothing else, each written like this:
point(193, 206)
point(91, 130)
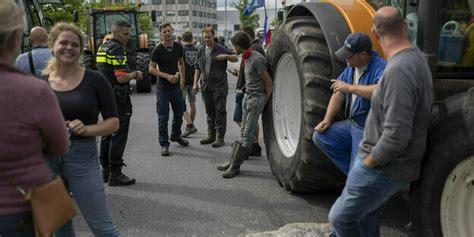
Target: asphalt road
point(184, 194)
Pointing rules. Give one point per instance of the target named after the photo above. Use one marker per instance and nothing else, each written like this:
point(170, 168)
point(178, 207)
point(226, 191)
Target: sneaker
point(165, 151)
point(121, 180)
point(190, 129)
point(180, 141)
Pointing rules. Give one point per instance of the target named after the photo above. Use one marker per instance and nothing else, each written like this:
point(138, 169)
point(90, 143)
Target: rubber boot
point(219, 140)
point(255, 150)
point(225, 166)
point(211, 137)
point(240, 154)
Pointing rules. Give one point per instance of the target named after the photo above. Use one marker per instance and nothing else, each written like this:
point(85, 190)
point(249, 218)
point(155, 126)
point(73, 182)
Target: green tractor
point(99, 30)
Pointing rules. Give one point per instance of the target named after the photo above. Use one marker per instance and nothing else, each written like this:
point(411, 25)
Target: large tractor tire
point(143, 60)
point(301, 68)
point(442, 202)
point(89, 61)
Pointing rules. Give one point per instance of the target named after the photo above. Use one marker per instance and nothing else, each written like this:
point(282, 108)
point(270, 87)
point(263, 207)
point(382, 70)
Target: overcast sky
point(269, 3)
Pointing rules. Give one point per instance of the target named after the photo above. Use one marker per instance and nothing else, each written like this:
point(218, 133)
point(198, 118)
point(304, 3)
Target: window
point(200, 14)
point(183, 12)
point(195, 2)
point(201, 25)
point(195, 24)
point(183, 1)
point(185, 24)
point(170, 13)
point(208, 15)
point(159, 13)
point(214, 16)
point(156, 24)
point(195, 13)
point(170, 1)
point(156, 2)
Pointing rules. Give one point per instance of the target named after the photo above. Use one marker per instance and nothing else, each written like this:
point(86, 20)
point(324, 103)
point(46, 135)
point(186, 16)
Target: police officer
point(112, 62)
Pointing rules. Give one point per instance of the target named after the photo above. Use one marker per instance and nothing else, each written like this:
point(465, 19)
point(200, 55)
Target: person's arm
point(229, 57)
point(155, 71)
point(51, 124)
point(365, 91)
point(267, 80)
point(182, 70)
point(105, 127)
point(400, 104)
point(334, 106)
point(197, 76)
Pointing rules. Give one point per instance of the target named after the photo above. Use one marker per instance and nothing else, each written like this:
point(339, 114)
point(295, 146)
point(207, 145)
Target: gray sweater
point(396, 127)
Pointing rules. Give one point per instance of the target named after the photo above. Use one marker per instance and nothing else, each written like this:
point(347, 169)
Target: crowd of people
point(52, 130)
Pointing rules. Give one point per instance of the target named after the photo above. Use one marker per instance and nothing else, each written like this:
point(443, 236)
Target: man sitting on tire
point(354, 87)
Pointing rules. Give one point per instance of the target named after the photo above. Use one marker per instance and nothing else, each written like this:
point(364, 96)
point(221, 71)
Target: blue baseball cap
point(355, 43)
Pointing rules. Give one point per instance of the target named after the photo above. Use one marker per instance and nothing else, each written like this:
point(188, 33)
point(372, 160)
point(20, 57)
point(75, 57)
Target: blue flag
point(252, 5)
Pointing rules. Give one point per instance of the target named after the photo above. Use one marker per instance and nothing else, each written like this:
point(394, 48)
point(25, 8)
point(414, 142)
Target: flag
point(265, 31)
point(252, 5)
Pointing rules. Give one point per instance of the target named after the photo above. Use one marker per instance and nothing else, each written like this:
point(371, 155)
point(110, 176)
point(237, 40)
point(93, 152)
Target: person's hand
point(341, 86)
point(172, 79)
point(234, 72)
point(322, 126)
point(369, 161)
point(221, 57)
point(195, 88)
point(138, 75)
point(77, 127)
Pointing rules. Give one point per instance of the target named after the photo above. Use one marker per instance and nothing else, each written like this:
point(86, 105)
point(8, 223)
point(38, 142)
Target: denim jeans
point(253, 105)
point(340, 143)
point(165, 97)
point(16, 225)
point(81, 171)
point(358, 211)
point(239, 96)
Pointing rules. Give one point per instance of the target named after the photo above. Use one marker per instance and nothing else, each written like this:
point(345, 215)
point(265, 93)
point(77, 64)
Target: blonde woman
point(82, 94)
point(32, 128)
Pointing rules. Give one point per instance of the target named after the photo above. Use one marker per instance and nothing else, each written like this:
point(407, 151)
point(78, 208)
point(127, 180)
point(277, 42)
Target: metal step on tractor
point(301, 55)
point(138, 49)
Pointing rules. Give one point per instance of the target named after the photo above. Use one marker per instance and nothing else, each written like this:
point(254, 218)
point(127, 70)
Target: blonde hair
point(53, 36)
point(12, 23)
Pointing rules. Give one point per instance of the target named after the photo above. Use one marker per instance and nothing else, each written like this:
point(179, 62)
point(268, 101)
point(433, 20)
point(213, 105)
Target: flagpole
point(225, 21)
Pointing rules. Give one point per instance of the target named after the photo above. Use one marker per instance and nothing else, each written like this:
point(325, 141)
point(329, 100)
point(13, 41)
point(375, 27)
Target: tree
point(250, 20)
point(62, 12)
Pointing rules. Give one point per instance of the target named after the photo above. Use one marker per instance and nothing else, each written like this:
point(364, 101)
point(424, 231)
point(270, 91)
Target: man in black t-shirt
point(190, 60)
point(112, 63)
point(168, 65)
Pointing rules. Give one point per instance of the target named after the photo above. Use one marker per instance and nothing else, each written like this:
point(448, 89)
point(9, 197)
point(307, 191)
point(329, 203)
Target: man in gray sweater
point(395, 134)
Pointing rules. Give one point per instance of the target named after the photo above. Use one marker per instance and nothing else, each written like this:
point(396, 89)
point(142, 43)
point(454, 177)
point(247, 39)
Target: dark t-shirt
point(190, 60)
point(167, 60)
point(93, 94)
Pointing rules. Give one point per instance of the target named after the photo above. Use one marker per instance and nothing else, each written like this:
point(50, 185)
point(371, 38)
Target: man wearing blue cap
point(354, 87)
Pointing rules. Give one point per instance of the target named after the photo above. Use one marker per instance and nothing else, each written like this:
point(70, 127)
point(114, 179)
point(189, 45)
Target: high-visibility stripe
point(120, 72)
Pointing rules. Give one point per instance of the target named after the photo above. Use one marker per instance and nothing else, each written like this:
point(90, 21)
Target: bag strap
point(30, 60)
point(14, 184)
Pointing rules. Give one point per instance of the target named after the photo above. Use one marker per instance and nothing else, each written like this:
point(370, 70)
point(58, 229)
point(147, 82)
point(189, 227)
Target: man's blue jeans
point(253, 105)
point(340, 143)
point(358, 211)
point(165, 97)
point(81, 171)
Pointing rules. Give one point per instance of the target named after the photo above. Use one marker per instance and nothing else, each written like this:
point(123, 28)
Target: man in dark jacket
point(211, 70)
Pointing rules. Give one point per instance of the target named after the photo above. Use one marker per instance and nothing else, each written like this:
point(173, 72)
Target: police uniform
point(111, 61)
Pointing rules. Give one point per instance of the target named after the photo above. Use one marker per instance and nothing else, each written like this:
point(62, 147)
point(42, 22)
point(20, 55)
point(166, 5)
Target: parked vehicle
point(301, 55)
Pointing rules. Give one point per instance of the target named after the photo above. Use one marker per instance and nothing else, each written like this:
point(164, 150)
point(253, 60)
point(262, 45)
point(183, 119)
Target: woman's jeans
point(16, 225)
point(358, 211)
point(253, 105)
point(81, 171)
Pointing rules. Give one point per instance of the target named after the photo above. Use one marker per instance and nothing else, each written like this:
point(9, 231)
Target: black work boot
point(190, 129)
point(117, 178)
point(211, 137)
point(105, 174)
point(165, 150)
point(180, 141)
point(240, 154)
point(219, 140)
point(225, 166)
point(255, 150)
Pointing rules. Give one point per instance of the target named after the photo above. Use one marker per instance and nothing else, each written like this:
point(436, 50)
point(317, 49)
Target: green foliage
point(250, 20)
point(58, 13)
